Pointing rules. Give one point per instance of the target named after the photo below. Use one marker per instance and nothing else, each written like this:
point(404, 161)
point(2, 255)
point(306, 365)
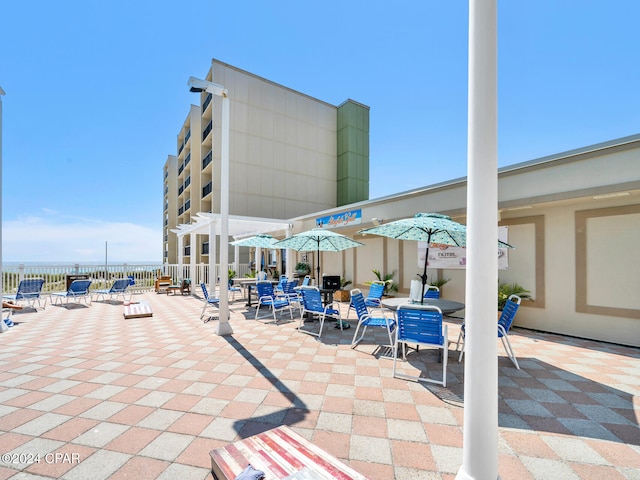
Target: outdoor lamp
point(197, 85)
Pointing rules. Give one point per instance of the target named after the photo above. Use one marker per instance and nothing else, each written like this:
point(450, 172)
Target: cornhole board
point(281, 454)
point(137, 310)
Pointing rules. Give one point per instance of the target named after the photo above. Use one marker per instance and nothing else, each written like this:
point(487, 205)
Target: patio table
point(249, 284)
point(446, 306)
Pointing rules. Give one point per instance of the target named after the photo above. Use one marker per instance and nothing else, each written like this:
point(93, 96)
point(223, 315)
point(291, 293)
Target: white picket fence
point(144, 276)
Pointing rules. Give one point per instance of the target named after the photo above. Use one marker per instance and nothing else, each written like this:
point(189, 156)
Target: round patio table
point(446, 306)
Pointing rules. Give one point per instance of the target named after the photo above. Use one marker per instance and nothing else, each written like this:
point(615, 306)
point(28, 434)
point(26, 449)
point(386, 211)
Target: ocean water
point(34, 267)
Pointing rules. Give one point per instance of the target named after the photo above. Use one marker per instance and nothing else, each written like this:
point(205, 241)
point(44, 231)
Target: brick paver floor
point(85, 394)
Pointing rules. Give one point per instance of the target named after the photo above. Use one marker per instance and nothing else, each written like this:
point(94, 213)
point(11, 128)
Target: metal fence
point(102, 277)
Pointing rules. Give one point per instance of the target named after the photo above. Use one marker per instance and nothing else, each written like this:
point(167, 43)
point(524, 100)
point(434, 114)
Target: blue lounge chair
point(312, 306)
point(504, 324)
point(421, 325)
point(8, 308)
point(29, 292)
point(209, 302)
point(365, 319)
point(119, 288)
point(78, 290)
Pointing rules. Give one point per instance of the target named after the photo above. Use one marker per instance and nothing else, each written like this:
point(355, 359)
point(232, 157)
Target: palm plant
point(507, 289)
point(389, 284)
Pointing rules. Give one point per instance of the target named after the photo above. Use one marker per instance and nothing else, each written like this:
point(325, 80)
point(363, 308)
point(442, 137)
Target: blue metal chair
point(268, 298)
point(29, 292)
point(290, 291)
point(279, 288)
point(233, 290)
point(432, 292)
point(209, 302)
point(365, 319)
point(312, 306)
point(119, 288)
point(421, 325)
point(504, 324)
point(78, 290)
point(373, 298)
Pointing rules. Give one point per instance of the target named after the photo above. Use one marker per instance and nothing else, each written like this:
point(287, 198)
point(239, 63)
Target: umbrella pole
point(318, 267)
point(424, 273)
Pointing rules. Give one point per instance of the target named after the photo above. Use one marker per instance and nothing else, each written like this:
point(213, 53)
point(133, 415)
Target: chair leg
point(395, 355)
point(510, 353)
point(355, 342)
point(460, 340)
point(390, 338)
point(461, 352)
point(445, 355)
point(321, 325)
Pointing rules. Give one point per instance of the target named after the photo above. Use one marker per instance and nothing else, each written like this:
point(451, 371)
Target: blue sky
point(96, 92)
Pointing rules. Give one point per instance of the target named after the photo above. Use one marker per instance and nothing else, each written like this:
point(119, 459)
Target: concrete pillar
point(193, 238)
point(224, 327)
point(480, 436)
point(213, 239)
point(290, 260)
point(181, 253)
point(236, 257)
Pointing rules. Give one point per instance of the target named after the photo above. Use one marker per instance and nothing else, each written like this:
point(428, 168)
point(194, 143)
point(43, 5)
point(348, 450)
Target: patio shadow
point(285, 416)
point(544, 397)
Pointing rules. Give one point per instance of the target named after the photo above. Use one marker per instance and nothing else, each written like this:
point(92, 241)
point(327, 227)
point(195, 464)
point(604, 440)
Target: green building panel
point(353, 153)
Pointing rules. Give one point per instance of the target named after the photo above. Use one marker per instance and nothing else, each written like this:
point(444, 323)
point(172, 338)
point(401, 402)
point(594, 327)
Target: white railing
point(144, 275)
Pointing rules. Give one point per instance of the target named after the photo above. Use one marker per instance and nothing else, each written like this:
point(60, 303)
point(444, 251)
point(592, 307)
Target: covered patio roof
point(239, 227)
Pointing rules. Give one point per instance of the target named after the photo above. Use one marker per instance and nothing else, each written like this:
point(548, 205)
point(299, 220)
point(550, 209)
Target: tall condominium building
point(290, 155)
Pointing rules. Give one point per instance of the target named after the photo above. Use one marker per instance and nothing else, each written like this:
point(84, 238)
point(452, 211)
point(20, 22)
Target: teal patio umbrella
point(261, 240)
point(426, 227)
point(318, 239)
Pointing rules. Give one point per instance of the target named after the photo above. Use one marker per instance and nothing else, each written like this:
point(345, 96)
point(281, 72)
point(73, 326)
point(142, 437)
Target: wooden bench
point(280, 453)
point(162, 283)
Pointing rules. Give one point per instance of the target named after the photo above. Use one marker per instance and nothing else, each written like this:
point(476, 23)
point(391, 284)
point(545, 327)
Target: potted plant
point(302, 268)
point(507, 289)
point(438, 283)
point(342, 295)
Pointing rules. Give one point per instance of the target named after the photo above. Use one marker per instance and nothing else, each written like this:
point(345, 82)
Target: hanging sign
point(447, 256)
point(352, 217)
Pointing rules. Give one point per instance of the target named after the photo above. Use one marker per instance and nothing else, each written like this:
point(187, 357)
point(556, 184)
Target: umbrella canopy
point(426, 227)
point(261, 241)
point(318, 239)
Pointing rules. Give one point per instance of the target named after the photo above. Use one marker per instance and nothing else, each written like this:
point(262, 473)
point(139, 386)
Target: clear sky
point(96, 93)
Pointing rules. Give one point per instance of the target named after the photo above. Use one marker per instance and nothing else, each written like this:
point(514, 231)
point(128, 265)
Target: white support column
point(480, 440)
point(236, 257)
point(193, 250)
point(258, 259)
point(224, 327)
point(181, 253)
point(213, 243)
point(1, 273)
point(289, 252)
